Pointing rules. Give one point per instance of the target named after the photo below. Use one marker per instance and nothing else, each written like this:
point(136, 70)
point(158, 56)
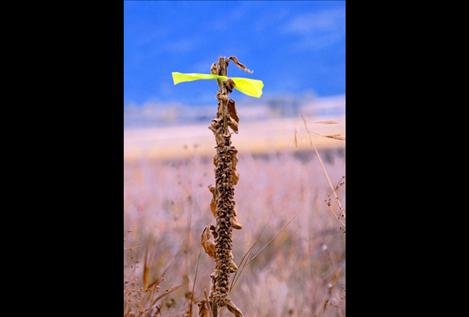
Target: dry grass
point(284, 270)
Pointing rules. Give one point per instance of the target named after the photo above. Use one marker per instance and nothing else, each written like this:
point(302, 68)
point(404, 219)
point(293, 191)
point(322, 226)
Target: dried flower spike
point(223, 204)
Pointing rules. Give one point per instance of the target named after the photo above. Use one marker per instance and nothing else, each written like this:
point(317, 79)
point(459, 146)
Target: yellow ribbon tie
point(250, 87)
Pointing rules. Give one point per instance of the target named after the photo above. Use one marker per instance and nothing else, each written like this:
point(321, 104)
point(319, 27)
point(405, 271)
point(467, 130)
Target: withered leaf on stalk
point(233, 124)
point(207, 244)
point(235, 222)
point(213, 69)
point(232, 110)
point(213, 202)
point(235, 177)
point(233, 309)
point(233, 266)
point(234, 162)
point(243, 67)
point(229, 84)
point(234, 156)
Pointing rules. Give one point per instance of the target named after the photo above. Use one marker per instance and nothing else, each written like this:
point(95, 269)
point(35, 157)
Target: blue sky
point(295, 47)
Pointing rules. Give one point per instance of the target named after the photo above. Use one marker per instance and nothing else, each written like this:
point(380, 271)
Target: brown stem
point(225, 177)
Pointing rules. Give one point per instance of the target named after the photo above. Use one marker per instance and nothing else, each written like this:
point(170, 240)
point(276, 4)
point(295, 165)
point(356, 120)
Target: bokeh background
point(289, 198)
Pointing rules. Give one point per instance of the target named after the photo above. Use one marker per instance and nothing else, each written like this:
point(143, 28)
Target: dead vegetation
point(291, 253)
point(290, 249)
point(217, 242)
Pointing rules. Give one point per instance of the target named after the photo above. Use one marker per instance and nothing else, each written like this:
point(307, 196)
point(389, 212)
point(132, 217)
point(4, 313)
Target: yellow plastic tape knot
point(250, 87)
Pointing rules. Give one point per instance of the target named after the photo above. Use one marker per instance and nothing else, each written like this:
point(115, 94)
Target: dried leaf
point(233, 266)
point(207, 244)
point(233, 309)
point(235, 177)
point(235, 222)
point(233, 124)
point(213, 202)
point(213, 69)
point(232, 110)
point(234, 162)
point(229, 84)
point(243, 67)
point(234, 159)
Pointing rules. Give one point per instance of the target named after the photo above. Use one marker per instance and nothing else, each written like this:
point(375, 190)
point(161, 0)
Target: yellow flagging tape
point(250, 87)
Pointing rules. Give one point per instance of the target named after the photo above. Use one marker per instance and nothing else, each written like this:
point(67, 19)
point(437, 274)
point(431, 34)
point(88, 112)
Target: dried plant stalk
point(222, 205)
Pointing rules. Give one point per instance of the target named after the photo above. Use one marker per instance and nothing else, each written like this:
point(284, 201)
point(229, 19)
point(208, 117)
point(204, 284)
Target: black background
point(62, 139)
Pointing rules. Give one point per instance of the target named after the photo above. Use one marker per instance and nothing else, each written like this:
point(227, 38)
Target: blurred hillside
point(174, 130)
point(154, 114)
